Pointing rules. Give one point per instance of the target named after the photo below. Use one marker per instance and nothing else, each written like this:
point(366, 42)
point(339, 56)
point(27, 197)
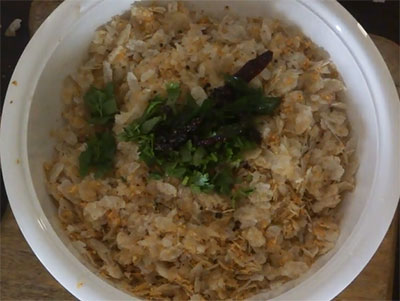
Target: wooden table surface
point(22, 277)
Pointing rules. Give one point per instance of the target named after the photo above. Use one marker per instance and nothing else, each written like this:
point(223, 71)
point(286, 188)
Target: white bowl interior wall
point(79, 20)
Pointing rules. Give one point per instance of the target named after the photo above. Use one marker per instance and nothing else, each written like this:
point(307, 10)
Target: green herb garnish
point(98, 156)
point(101, 104)
point(202, 145)
point(240, 193)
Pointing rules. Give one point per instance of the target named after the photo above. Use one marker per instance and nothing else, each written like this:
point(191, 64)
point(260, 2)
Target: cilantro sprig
point(99, 155)
point(101, 147)
point(101, 104)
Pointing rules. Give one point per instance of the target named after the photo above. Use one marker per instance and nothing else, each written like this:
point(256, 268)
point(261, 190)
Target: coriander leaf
point(101, 169)
point(269, 105)
point(209, 161)
point(187, 112)
point(178, 172)
point(149, 124)
point(173, 92)
point(186, 152)
point(146, 149)
point(98, 156)
point(130, 133)
point(145, 124)
point(236, 163)
point(169, 166)
point(200, 181)
point(198, 156)
point(152, 108)
point(101, 104)
point(155, 176)
point(173, 170)
point(240, 193)
point(195, 189)
point(250, 100)
point(185, 180)
point(224, 181)
point(213, 157)
point(228, 153)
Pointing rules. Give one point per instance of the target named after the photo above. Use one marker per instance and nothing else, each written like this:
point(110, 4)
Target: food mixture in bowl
point(201, 158)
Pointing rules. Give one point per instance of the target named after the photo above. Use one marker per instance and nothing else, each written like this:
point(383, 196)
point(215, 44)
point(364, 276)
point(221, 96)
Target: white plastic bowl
point(32, 108)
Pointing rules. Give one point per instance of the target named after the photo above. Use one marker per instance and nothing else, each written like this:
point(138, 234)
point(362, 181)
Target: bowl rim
point(326, 283)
